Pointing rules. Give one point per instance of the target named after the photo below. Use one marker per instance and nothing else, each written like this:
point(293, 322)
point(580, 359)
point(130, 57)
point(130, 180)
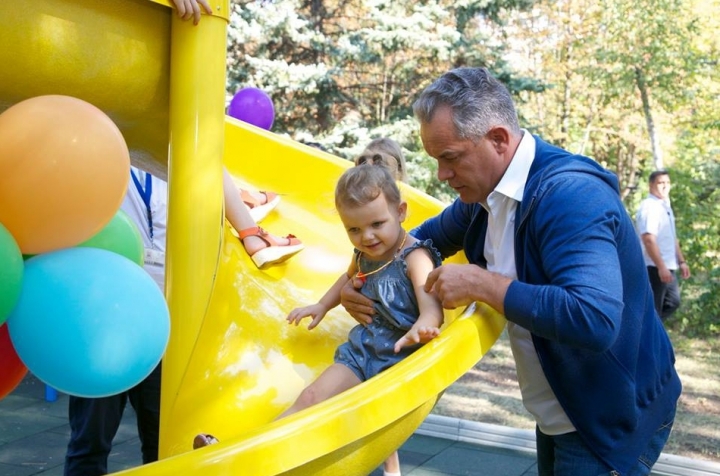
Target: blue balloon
point(89, 322)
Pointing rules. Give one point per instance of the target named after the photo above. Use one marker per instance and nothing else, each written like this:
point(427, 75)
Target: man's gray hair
point(479, 102)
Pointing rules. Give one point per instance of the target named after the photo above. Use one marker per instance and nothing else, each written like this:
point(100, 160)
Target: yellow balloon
point(64, 168)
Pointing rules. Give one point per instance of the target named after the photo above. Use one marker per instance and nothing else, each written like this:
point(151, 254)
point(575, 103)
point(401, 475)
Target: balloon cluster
point(254, 106)
point(76, 309)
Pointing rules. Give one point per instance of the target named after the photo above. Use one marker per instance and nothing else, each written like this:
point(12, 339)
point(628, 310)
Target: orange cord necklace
point(363, 276)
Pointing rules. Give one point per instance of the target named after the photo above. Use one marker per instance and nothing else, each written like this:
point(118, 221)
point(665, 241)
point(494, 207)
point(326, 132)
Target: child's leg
point(392, 465)
point(335, 379)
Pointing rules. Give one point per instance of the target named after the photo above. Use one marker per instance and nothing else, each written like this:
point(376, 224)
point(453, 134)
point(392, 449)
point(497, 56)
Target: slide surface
point(240, 364)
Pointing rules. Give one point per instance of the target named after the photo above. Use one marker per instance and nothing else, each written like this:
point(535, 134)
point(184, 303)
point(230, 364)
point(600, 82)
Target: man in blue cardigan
point(553, 249)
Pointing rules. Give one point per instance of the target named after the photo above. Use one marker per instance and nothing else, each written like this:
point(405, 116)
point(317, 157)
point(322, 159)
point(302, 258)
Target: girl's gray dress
point(369, 349)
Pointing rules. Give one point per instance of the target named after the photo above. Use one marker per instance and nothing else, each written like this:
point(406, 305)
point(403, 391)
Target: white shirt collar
point(512, 183)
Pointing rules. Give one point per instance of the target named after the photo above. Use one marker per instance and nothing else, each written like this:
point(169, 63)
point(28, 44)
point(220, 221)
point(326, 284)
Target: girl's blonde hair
point(361, 185)
point(387, 152)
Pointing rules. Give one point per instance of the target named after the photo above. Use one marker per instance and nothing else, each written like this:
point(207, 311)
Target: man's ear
point(499, 137)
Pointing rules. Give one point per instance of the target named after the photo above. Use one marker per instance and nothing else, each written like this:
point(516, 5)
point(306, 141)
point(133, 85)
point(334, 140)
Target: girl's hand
point(316, 311)
point(417, 335)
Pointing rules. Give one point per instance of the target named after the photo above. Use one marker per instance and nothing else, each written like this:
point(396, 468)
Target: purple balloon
point(254, 106)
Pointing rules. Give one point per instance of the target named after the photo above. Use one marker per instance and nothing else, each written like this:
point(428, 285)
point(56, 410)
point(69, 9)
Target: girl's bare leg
point(335, 379)
point(392, 465)
point(239, 216)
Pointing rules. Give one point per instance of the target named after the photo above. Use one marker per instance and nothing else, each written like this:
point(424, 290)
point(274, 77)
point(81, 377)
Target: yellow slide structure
point(233, 364)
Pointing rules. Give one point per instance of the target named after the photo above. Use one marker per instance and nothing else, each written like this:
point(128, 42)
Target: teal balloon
point(89, 322)
point(121, 236)
point(11, 273)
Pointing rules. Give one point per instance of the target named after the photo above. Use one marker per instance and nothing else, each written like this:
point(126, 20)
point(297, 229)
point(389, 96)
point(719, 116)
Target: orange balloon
point(64, 168)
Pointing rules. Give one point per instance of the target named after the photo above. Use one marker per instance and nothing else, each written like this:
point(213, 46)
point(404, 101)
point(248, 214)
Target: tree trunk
point(654, 142)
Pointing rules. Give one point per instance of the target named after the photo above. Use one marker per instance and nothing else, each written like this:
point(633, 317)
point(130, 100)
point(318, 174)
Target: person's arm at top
point(188, 9)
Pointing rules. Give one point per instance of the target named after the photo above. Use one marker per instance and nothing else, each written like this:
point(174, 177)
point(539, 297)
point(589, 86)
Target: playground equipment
point(232, 364)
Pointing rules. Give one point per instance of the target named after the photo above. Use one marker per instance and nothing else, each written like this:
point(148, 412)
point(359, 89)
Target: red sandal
point(258, 211)
point(275, 252)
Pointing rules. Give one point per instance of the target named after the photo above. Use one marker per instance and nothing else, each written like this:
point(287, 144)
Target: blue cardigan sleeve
point(448, 229)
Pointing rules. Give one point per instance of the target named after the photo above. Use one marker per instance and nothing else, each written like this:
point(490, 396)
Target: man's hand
point(358, 306)
point(665, 274)
point(684, 270)
point(458, 285)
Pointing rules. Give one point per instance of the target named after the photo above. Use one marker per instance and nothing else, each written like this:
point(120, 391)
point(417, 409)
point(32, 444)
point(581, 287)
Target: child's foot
point(259, 204)
point(204, 439)
point(266, 249)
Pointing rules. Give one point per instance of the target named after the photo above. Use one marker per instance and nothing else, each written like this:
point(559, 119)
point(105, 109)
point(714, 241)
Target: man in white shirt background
point(655, 223)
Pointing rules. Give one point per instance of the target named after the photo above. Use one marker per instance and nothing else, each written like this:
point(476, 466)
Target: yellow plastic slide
point(233, 364)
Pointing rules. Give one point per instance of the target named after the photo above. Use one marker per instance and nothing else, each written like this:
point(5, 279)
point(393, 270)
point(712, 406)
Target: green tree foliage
point(648, 46)
point(559, 44)
point(617, 72)
point(342, 73)
point(696, 190)
point(696, 194)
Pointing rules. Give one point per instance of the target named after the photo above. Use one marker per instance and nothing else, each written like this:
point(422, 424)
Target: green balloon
point(11, 273)
point(120, 236)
